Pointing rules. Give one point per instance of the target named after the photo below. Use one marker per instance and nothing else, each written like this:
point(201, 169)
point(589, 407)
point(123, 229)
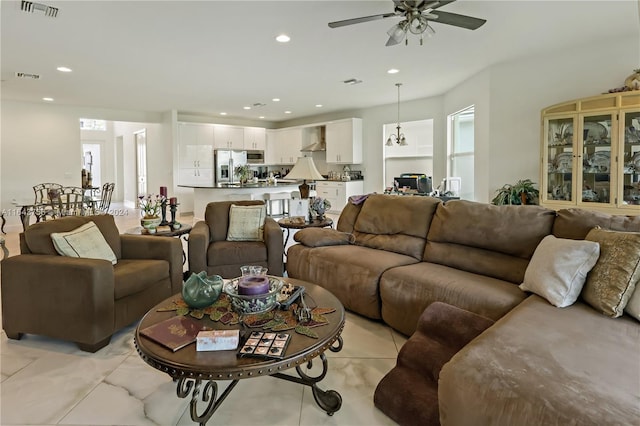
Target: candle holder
point(163, 210)
point(173, 208)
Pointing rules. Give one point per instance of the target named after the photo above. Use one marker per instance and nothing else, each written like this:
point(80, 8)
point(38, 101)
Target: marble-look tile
point(355, 380)
point(363, 338)
point(399, 339)
point(12, 363)
point(45, 390)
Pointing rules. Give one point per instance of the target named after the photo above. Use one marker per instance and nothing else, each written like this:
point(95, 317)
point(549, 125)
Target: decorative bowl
point(253, 304)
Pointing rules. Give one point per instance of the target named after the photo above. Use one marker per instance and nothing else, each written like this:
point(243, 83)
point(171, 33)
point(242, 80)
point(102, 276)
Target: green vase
point(200, 291)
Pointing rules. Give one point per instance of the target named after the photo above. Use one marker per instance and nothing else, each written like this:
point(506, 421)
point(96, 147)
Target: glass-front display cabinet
point(591, 154)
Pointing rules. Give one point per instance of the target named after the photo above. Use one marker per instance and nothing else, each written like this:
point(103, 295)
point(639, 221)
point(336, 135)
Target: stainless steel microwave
point(255, 157)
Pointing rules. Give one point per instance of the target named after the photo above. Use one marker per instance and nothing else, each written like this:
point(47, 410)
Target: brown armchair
point(210, 251)
point(85, 300)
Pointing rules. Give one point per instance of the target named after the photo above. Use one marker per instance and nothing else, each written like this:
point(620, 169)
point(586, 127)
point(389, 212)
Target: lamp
point(397, 137)
point(304, 169)
point(417, 24)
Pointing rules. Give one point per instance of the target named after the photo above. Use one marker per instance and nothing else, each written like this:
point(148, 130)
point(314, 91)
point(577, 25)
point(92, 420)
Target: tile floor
point(50, 382)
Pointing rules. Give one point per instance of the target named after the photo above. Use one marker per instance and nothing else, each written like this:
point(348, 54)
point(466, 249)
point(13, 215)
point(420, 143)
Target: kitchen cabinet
point(591, 154)
point(344, 141)
point(338, 193)
point(195, 154)
point(255, 138)
point(283, 146)
point(228, 137)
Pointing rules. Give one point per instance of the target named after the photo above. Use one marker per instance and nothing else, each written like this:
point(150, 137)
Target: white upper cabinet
point(195, 152)
point(344, 141)
point(283, 146)
point(255, 138)
point(228, 137)
point(418, 135)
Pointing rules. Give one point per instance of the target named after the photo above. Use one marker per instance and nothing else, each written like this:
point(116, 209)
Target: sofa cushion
point(559, 268)
point(406, 291)
point(37, 237)
point(496, 241)
point(135, 275)
point(350, 272)
point(576, 223)
point(85, 241)
point(229, 252)
point(395, 223)
point(540, 365)
point(318, 237)
point(613, 279)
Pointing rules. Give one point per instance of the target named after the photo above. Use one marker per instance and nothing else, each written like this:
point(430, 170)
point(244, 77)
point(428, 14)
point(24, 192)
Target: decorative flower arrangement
point(150, 205)
point(318, 206)
point(243, 172)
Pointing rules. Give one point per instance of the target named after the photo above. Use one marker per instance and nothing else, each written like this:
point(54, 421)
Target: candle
point(163, 191)
point(173, 201)
point(253, 285)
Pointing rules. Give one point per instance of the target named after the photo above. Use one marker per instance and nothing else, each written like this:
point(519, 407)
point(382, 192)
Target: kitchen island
point(202, 195)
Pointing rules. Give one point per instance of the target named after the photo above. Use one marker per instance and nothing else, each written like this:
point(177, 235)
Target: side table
point(183, 231)
point(288, 224)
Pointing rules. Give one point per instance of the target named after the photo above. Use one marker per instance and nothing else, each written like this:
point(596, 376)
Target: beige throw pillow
point(558, 269)
point(612, 281)
point(246, 223)
point(86, 241)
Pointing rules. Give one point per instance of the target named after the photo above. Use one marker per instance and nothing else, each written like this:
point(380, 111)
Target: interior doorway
point(140, 138)
point(92, 162)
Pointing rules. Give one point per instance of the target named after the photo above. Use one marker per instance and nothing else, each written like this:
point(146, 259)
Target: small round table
point(289, 224)
point(192, 369)
point(184, 230)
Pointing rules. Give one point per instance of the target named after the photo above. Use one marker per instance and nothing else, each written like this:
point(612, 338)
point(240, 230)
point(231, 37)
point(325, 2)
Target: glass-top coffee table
point(192, 368)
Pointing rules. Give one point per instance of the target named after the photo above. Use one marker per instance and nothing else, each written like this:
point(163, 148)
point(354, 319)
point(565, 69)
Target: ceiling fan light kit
point(417, 14)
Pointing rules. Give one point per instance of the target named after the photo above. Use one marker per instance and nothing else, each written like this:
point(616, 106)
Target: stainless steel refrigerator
point(225, 162)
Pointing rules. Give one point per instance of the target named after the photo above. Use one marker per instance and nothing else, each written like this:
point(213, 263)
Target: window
point(92, 124)
point(460, 152)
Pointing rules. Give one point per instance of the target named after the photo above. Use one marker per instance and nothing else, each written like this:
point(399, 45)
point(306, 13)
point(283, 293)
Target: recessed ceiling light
point(262, 116)
point(64, 69)
point(223, 113)
point(276, 99)
point(247, 107)
point(287, 112)
point(318, 105)
point(47, 99)
point(393, 71)
point(283, 38)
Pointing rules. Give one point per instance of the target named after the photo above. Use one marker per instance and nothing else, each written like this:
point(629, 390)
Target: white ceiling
point(212, 56)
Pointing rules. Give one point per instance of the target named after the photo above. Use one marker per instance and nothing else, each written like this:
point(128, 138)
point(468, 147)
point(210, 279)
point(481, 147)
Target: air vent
point(352, 81)
point(27, 75)
point(29, 6)
point(259, 105)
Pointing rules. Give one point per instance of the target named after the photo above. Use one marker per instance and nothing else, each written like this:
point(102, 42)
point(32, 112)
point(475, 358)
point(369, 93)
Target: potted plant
point(522, 192)
point(243, 173)
point(150, 209)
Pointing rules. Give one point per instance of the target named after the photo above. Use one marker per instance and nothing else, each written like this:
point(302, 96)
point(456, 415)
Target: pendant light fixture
point(397, 137)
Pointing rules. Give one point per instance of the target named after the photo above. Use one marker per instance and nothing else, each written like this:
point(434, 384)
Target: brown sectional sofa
point(392, 256)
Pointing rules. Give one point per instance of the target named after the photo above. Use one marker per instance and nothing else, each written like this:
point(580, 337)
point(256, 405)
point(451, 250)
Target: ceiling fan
point(416, 16)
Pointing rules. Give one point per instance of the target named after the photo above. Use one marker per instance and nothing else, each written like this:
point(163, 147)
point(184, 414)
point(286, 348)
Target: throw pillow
point(633, 306)
point(558, 269)
point(246, 223)
point(86, 241)
point(611, 282)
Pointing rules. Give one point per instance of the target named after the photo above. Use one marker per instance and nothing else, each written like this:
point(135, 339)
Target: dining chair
point(46, 199)
point(71, 201)
point(104, 202)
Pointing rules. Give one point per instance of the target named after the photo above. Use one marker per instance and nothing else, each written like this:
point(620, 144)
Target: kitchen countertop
point(245, 186)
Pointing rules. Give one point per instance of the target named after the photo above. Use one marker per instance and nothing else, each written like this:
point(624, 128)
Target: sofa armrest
point(199, 240)
point(76, 294)
point(156, 247)
point(319, 237)
point(275, 246)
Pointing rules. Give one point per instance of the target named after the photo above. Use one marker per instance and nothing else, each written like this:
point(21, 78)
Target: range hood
point(319, 144)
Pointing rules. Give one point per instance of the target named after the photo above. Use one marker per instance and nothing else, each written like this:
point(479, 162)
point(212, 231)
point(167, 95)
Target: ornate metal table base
point(330, 401)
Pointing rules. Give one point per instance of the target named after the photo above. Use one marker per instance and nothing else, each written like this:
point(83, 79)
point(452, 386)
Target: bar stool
point(5, 252)
point(280, 197)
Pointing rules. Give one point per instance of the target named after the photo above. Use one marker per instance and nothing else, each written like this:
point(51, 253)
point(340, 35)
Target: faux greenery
point(511, 194)
point(243, 172)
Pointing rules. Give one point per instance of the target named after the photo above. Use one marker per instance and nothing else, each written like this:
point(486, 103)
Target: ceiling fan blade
point(337, 24)
point(456, 20)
